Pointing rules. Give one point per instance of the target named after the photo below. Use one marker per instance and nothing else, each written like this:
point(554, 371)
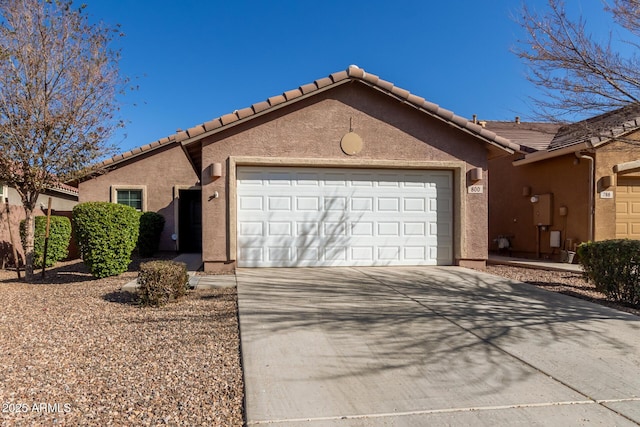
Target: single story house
point(568, 184)
point(63, 199)
point(346, 170)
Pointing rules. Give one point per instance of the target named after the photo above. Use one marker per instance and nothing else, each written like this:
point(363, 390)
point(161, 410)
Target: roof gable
point(353, 73)
point(191, 138)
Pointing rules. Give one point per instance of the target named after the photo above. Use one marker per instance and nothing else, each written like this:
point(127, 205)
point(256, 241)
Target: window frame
point(125, 187)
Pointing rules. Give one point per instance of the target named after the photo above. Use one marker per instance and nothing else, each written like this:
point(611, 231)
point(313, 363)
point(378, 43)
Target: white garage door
point(289, 217)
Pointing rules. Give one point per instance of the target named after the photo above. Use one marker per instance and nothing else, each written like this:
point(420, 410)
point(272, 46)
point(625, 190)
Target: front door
point(190, 221)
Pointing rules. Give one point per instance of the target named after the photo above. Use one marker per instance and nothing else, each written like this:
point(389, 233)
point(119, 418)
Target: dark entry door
point(190, 221)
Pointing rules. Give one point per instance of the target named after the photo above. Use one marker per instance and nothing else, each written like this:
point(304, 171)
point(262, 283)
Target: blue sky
point(196, 60)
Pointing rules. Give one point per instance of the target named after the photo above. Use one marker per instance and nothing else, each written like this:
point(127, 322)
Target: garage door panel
point(252, 229)
point(279, 203)
point(335, 203)
point(388, 204)
point(415, 253)
point(279, 229)
point(388, 229)
point(251, 203)
point(362, 253)
point(414, 204)
point(343, 217)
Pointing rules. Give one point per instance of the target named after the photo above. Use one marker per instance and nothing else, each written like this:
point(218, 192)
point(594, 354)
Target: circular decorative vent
point(351, 143)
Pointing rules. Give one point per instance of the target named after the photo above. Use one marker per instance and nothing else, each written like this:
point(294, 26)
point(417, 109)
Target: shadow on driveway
point(432, 337)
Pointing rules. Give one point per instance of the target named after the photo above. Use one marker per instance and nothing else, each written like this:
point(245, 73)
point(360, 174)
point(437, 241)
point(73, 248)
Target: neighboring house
point(63, 199)
point(569, 184)
point(347, 170)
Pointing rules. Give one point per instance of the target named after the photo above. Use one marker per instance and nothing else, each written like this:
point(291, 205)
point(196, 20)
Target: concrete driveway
point(430, 346)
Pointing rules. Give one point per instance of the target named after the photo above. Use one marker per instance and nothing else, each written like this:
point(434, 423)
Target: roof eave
point(545, 155)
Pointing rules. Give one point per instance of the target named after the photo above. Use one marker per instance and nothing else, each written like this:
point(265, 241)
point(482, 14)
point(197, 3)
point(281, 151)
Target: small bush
point(162, 281)
point(107, 234)
point(59, 237)
point(151, 226)
point(614, 268)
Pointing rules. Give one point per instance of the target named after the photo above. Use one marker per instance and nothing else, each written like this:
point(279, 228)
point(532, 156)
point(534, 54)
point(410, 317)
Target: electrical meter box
point(542, 209)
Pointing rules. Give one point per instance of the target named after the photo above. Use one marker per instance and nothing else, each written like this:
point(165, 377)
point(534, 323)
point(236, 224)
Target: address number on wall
point(606, 194)
point(476, 189)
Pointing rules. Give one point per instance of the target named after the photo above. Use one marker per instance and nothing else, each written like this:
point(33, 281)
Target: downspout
point(592, 208)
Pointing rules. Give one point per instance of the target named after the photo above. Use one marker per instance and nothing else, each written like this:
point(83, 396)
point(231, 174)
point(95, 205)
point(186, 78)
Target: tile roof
point(535, 136)
point(599, 129)
point(136, 151)
point(353, 73)
point(64, 188)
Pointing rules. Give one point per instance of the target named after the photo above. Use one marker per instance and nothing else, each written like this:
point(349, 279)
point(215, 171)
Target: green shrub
point(59, 237)
point(151, 226)
point(614, 268)
point(107, 234)
point(162, 281)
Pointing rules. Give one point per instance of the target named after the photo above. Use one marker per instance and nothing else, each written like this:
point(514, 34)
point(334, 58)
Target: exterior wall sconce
point(606, 181)
point(215, 170)
point(563, 211)
point(526, 191)
point(475, 174)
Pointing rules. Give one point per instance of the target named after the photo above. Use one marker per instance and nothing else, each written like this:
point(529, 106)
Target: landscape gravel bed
point(78, 351)
point(568, 283)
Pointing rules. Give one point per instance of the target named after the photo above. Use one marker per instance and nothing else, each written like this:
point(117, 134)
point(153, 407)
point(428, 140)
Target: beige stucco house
point(346, 170)
point(63, 199)
point(568, 184)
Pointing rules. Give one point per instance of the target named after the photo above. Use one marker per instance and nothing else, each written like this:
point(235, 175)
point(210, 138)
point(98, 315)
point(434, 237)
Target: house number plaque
point(476, 189)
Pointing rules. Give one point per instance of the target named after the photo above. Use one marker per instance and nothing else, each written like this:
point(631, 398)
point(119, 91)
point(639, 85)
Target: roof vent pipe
point(517, 119)
point(475, 119)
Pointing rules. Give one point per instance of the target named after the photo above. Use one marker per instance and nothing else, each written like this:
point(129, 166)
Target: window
point(131, 198)
point(130, 195)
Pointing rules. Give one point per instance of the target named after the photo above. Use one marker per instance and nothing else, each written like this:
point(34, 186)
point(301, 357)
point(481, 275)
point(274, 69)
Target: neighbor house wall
point(61, 204)
point(311, 130)
point(159, 172)
point(511, 212)
point(607, 156)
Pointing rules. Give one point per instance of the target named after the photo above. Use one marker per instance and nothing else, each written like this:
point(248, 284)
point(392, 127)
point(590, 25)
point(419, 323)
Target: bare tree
point(59, 81)
point(579, 74)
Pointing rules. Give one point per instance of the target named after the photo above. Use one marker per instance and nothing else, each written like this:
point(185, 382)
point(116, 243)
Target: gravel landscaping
point(78, 351)
point(572, 284)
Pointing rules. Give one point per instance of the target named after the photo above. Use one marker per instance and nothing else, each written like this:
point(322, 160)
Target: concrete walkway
point(196, 281)
point(430, 346)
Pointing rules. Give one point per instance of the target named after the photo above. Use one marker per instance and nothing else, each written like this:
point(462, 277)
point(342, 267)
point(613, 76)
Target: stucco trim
point(457, 167)
point(116, 187)
point(626, 167)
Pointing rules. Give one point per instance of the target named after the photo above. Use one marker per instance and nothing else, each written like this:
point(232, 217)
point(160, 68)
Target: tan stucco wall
point(159, 172)
point(511, 213)
point(607, 157)
point(310, 131)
